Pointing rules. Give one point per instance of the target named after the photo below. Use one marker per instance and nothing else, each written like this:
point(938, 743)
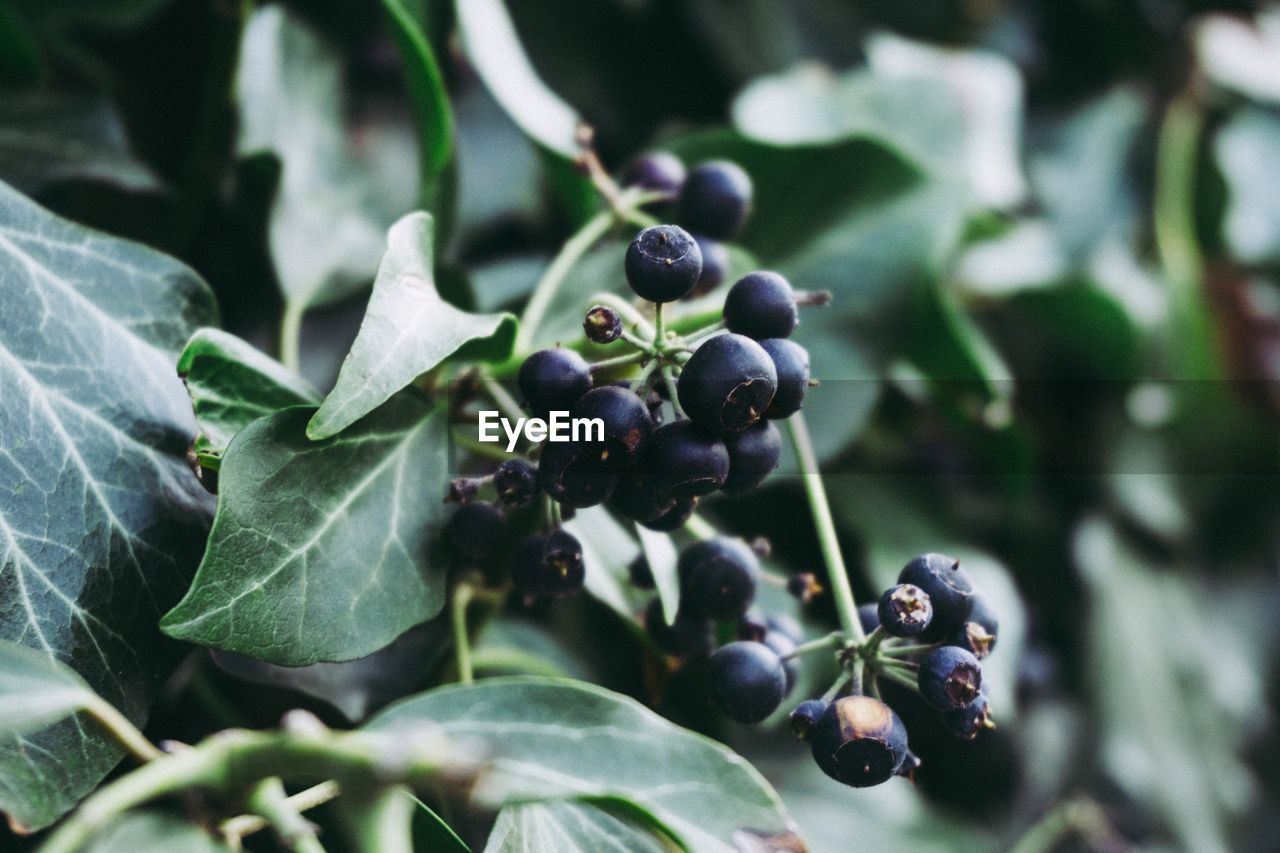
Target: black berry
point(782, 645)
point(782, 623)
point(574, 475)
point(905, 610)
point(966, 722)
point(859, 741)
point(715, 265)
point(688, 636)
point(686, 460)
point(552, 380)
point(475, 530)
point(949, 678)
point(806, 716)
point(640, 498)
point(663, 263)
point(949, 590)
point(747, 681)
point(639, 572)
point(978, 634)
point(626, 420)
point(869, 617)
point(791, 361)
point(674, 518)
point(516, 482)
point(602, 325)
point(718, 577)
point(753, 454)
point(548, 566)
point(715, 199)
point(761, 305)
point(661, 171)
point(727, 383)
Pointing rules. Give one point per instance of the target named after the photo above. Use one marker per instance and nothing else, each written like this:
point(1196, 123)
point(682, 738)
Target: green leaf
point(232, 384)
point(607, 548)
point(407, 330)
point(431, 833)
point(101, 520)
point(427, 96)
point(36, 690)
point(548, 739)
point(567, 826)
point(148, 831)
point(490, 41)
point(319, 550)
point(660, 552)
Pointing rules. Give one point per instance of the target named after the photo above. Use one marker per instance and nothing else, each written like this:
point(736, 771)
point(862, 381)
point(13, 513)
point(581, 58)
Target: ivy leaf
point(549, 739)
point(407, 330)
point(100, 519)
point(148, 831)
point(319, 550)
point(607, 548)
point(660, 552)
point(430, 832)
point(232, 384)
point(567, 826)
point(36, 690)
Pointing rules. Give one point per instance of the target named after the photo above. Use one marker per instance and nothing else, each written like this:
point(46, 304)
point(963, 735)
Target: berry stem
point(904, 651)
point(492, 451)
point(669, 378)
point(637, 357)
point(659, 328)
point(830, 641)
point(461, 641)
point(835, 688)
point(837, 574)
point(901, 678)
point(698, 335)
point(121, 730)
point(295, 832)
point(242, 826)
point(630, 317)
point(291, 334)
point(699, 528)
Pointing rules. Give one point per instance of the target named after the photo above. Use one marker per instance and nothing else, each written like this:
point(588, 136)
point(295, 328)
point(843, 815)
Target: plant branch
point(502, 399)
point(125, 733)
point(461, 640)
point(294, 831)
point(242, 826)
point(291, 335)
point(383, 821)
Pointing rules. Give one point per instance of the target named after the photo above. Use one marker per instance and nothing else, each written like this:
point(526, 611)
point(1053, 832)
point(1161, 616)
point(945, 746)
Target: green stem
point(835, 688)
point(291, 335)
point(895, 675)
point(621, 360)
point(669, 380)
point(294, 831)
point(869, 681)
point(699, 528)
point(242, 826)
point(382, 822)
point(504, 401)
point(837, 574)
point(830, 641)
point(480, 448)
point(461, 640)
point(121, 730)
point(659, 328)
point(904, 651)
point(705, 332)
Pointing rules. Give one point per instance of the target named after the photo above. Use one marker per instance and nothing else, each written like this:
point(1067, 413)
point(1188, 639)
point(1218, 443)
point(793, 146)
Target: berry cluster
point(682, 415)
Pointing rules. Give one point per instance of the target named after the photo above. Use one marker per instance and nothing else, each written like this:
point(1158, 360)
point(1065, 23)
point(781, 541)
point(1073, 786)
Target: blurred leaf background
point(1053, 237)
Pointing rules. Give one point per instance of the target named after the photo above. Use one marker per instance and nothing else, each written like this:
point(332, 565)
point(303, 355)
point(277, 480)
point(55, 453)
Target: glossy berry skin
point(949, 590)
point(548, 566)
point(639, 497)
point(602, 325)
point(690, 635)
point(727, 384)
point(627, 425)
point(573, 475)
point(475, 530)
point(553, 380)
point(782, 645)
point(715, 265)
point(791, 362)
point(516, 482)
point(674, 518)
point(949, 678)
point(904, 610)
point(869, 616)
point(966, 722)
point(661, 171)
point(663, 263)
point(686, 460)
point(715, 199)
point(806, 716)
point(761, 305)
point(859, 741)
point(747, 681)
point(753, 454)
point(718, 577)
point(978, 633)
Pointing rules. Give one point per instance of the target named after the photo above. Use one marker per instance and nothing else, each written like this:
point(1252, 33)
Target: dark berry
point(782, 645)
point(761, 305)
point(859, 741)
point(752, 627)
point(552, 380)
point(686, 460)
point(602, 325)
point(753, 454)
point(727, 383)
point(782, 623)
point(949, 590)
point(718, 577)
point(966, 722)
point(674, 518)
point(715, 199)
point(475, 530)
point(639, 573)
point(663, 263)
point(661, 171)
point(869, 616)
point(625, 420)
point(463, 489)
point(548, 565)
point(573, 475)
point(715, 265)
point(978, 633)
point(949, 678)
point(516, 482)
point(804, 587)
point(640, 498)
point(791, 361)
point(747, 681)
point(688, 636)
point(905, 610)
point(806, 716)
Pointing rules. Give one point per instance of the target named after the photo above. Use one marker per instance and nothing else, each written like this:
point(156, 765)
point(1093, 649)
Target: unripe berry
point(602, 325)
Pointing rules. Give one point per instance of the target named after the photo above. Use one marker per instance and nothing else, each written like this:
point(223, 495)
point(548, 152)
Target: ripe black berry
point(718, 577)
point(475, 530)
point(949, 678)
point(727, 383)
point(688, 636)
point(792, 364)
point(859, 741)
point(905, 610)
point(639, 497)
point(978, 634)
point(658, 170)
point(806, 716)
point(747, 681)
point(761, 305)
point(787, 626)
point(639, 572)
point(663, 263)
point(869, 617)
point(782, 645)
point(516, 482)
point(552, 380)
point(548, 565)
point(949, 590)
point(573, 475)
point(715, 265)
point(674, 518)
point(686, 460)
point(602, 325)
point(715, 199)
point(966, 722)
point(627, 425)
point(753, 454)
